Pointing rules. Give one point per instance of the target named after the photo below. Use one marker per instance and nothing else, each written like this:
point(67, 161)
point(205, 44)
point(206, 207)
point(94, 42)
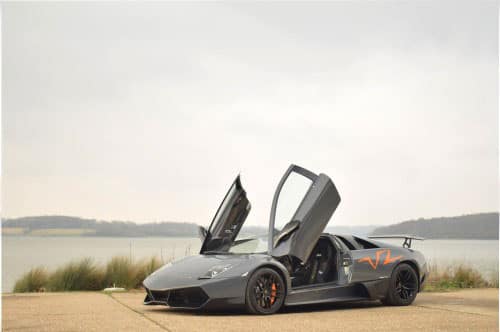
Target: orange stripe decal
point(388, 259)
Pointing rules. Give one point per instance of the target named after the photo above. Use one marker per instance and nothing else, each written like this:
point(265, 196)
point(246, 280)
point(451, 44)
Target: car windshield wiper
point(217, 252)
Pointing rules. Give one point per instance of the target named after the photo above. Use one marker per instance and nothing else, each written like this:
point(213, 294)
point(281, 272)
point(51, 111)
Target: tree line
point(104, 228)
point(472, 226)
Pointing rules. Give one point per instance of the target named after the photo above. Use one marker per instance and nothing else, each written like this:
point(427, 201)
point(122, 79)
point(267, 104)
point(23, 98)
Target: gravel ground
point(467, 310)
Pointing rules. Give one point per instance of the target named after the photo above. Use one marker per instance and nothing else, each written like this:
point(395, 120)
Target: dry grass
point(77, 275)
point(456, 277)
point(35, 280)
point(86, 275)
point(120, 272)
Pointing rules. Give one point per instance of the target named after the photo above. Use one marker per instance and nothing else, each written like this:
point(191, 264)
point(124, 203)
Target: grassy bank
point(85, 274)
point(457, 277)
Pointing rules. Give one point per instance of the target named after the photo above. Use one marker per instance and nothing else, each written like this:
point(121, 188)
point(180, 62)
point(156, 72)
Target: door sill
point(317, 286)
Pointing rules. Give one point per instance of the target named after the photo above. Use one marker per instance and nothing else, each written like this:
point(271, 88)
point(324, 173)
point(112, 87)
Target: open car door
point(302, 206)
point(228, 220)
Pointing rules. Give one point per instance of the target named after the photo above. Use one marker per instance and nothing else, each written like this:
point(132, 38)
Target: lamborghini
point(295, 263)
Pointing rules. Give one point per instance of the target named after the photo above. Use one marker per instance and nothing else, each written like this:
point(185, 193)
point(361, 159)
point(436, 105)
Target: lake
point(20, 253)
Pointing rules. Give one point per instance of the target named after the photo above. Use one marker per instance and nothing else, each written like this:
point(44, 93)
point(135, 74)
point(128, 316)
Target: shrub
point(84, 274)
point(456, 277)
point(34, 280)
point(77, 275)
point(121, 272)
point(494, 279)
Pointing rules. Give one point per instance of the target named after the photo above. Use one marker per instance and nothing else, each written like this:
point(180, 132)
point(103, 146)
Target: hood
point(195, 270)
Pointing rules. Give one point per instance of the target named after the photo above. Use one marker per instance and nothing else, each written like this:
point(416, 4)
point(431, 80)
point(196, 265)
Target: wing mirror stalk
point(287, 230)
point(202, 233)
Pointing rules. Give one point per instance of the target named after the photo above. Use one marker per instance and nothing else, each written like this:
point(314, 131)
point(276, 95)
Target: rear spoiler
point(408, 238)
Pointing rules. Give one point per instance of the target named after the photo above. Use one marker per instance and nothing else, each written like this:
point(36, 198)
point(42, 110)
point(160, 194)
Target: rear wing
point(408, 238)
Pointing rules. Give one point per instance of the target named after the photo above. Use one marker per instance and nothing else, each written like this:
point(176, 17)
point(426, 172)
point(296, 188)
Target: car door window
point(291, 195)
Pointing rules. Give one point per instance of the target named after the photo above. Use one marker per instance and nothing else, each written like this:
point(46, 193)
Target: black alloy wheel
point(265, 292)
point(403, 287)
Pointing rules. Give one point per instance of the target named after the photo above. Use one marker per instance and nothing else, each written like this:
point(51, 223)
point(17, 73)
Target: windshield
point(251, 240)
point(254, 245)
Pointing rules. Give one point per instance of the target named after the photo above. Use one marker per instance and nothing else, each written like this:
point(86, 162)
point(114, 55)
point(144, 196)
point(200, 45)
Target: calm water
point(19, 254)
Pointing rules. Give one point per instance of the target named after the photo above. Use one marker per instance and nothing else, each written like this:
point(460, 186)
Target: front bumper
point(188, 298)
point(207, 294)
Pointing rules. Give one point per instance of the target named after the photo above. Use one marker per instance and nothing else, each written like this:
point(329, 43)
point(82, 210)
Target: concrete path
point(467, 310)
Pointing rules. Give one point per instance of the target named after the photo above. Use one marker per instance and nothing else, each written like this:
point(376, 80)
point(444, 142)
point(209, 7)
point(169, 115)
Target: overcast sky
point(147, 111)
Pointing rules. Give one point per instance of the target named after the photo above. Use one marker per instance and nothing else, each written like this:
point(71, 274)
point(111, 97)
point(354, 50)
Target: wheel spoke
point(268, 291)
point(406, 284)
point(411, 286)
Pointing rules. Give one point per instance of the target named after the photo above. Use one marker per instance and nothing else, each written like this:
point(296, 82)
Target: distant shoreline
point(479, 226)
point(98, 236)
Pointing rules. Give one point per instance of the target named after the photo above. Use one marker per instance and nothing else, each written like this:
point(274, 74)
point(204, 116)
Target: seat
point(321, 263)
point(325, 263)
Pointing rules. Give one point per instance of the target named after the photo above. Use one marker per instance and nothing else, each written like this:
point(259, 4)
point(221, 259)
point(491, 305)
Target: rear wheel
point(403, 286)
point(265, 292)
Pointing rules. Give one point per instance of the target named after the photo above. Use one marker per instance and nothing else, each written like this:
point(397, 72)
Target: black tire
point(265, 293)
point(403, 286)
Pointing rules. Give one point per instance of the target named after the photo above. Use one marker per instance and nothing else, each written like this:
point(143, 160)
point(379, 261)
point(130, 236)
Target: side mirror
point(202, 233)
point(288, 229)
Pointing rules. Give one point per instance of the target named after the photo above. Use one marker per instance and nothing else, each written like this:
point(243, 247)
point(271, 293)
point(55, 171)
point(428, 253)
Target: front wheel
point(265, 292)
point(403, 286)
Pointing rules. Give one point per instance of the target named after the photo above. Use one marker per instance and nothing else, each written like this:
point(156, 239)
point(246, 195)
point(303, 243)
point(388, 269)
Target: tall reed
point(86, 275)
point(454, 277)
point(35, 280)
point(78, 275)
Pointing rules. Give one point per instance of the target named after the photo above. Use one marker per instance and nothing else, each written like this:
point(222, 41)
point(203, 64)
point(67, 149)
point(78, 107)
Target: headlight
point(215, 270)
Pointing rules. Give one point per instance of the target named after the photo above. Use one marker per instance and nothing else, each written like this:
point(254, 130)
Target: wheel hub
point(267, 291)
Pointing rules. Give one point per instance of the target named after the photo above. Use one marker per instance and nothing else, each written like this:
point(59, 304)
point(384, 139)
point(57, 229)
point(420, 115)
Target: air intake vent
point(193, 297)
point(159, 296)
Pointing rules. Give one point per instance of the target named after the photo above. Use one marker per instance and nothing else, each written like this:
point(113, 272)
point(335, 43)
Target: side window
point(340, 245)
point(364, 244)
point(347, 243)
point(218, 226)
point(291, 195)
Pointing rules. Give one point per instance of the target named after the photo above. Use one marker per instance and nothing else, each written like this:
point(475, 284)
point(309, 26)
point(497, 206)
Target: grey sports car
point(294, 264)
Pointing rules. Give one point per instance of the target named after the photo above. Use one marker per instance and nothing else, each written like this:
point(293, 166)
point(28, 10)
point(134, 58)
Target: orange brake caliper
point(273, 293)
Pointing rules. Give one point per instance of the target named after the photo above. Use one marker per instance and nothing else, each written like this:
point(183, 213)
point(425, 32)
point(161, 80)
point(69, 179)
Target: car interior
point(321, 267)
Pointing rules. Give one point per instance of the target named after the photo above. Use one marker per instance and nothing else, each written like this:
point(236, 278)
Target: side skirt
point(377, 289)
point(326, 293)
